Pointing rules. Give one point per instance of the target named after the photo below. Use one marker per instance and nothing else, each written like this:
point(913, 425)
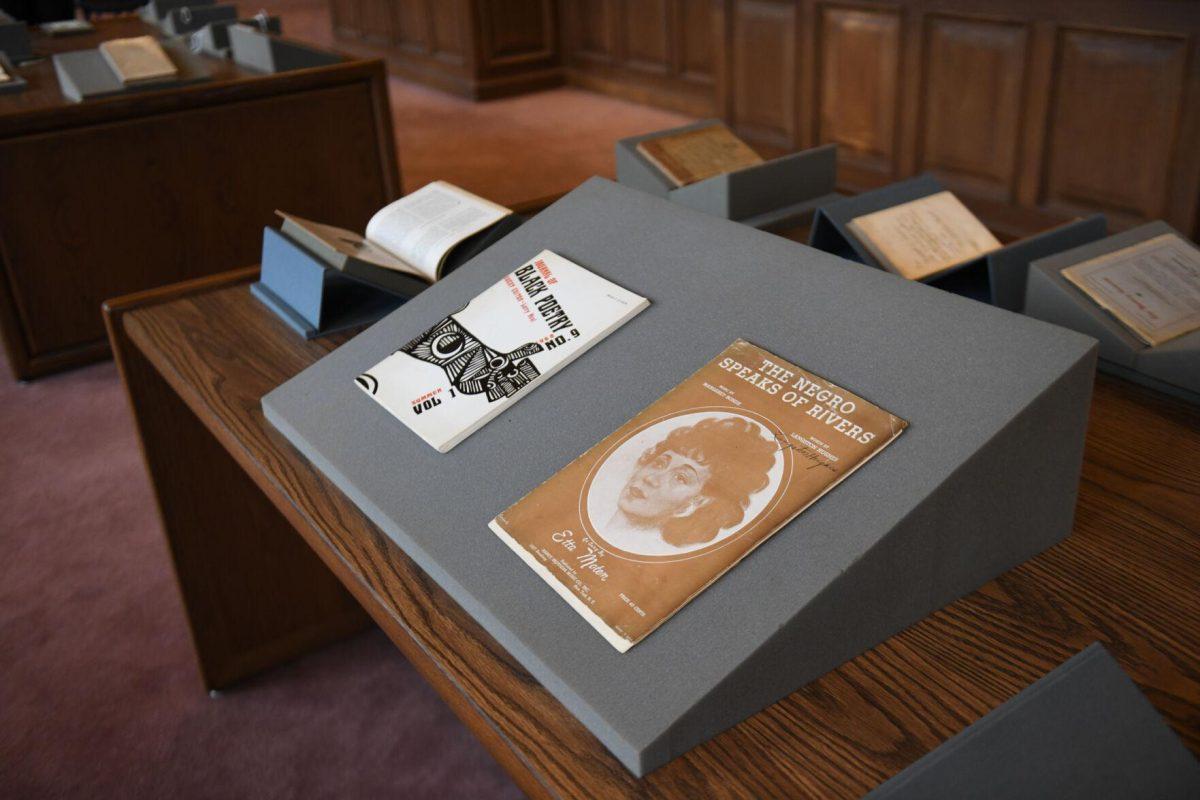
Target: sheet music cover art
point(641, 523)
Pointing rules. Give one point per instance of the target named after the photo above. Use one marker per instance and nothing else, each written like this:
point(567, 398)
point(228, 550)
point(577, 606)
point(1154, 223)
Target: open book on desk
point(409, 244)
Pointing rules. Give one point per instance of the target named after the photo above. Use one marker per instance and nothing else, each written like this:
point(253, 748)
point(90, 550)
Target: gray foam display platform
point(1083, 731)
point(85, 75)
point(926, 521)
point(1172, 367)
point(780, 192)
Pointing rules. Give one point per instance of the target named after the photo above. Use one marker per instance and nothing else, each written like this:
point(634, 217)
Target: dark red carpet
point(99, 696)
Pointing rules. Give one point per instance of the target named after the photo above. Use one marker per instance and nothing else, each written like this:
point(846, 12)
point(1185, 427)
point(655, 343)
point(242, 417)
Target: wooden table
point(111, 196)
point(264, 544)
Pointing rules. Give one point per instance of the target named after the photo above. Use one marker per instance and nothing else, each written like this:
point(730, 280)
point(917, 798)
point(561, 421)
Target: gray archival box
point(1172, 367)
point(1084, 731)
point(777, 193)
point(984, 478)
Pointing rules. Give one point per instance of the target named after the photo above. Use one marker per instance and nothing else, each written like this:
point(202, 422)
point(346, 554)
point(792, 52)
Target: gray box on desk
point(86, 75)
point(782, 191)
point(252, 48)
point(192, 18)
point(14, 39)
point(928, 520)
point(1172, 367)
point(156, 11)
point(1084, 731)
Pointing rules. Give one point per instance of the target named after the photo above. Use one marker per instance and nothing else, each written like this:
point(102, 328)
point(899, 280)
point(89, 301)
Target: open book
point(407, 243)
point(924, 237)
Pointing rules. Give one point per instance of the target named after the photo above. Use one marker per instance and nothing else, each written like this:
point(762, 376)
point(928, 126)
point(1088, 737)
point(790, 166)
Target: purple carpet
point(99, 693)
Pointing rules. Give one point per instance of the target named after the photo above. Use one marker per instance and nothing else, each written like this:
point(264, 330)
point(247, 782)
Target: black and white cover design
point(452, 379)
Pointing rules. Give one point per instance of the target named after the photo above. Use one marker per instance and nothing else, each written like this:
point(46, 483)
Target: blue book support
point(312, 298)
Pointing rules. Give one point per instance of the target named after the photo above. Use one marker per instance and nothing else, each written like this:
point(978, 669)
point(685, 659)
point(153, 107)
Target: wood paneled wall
point(1032, 111)
point(661, 52)
point(476, 48)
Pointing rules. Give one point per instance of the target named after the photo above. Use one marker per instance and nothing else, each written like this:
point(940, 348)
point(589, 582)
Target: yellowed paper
point(1152, 288)
point(923, 237)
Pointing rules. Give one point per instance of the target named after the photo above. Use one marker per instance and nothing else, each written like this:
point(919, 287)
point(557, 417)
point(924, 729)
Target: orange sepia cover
point(644, 521)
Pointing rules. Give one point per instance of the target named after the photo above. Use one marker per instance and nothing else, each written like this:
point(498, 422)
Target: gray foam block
point(252, 48)
point(779, 192)
point(85, 75)
point(1172, 367)
point(925, 522)
point(1008, 267)
point(1081, 732)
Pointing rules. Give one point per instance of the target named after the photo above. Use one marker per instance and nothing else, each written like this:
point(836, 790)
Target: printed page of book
point(923, 237)
point(422, 228)
point(691, 156)
point(4, 76)
point(641, 523)
point(455, 377)
point(1152, 288)
point(140, 58)
point(348, 243)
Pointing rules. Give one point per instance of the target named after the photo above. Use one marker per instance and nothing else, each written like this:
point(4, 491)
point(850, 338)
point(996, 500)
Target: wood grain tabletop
point(1128, 577)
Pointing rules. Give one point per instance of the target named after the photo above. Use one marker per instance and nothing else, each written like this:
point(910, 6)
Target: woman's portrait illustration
point(684, 483)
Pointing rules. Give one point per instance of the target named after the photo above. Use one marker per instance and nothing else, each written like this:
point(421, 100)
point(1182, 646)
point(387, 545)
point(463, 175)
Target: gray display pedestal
point(928, 520)
point(1172, 367)
point(775, 194)
point(1083, 731)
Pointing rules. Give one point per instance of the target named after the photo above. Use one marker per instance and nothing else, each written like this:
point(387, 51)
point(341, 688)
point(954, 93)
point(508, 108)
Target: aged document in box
point(691, 156)
point(638, 525)
point(1152, 288)
point(923, 237)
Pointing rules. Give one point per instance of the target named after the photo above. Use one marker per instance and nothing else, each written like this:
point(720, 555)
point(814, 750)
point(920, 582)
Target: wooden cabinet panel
point(653, 51)
point(447, 35)
point(512, 31)
point(1113, 122)
point(1033, 112)
point(377, 20)
point(588, 29)
point(764, 44)
point(694, 35)
point(644, 34)
point(974, 77)
point(476, 48)
point(858, 86)
point(413, 29)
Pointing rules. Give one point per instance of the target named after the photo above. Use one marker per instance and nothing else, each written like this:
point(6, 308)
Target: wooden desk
point(245, 513)
point(112, 196)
